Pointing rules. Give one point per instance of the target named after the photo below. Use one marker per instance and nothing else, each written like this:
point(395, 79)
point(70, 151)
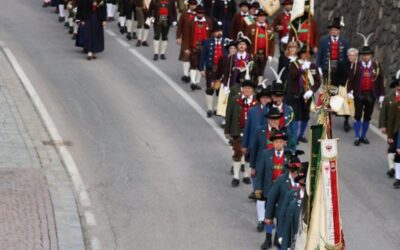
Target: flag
point(325, 230)
point(270, 6)
point(298, 8)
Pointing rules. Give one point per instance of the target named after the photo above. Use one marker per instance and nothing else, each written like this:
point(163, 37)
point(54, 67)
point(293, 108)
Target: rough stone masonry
point(381, 17)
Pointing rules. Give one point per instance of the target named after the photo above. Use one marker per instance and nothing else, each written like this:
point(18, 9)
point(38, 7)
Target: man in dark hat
point(236, 67)
point(262, 47)
point(223, 11)
point(392, 97)
point(270, 166)
point(182, 34)
point(251, 18)
point(281, 24)
point(365, 87)
point(277, 194)
point(293, 213)
point(304, 80)
point(332, 58)
point(238, 23)
point(287, 120)
point(213, 50)
point(199, 31)
point(236, 116)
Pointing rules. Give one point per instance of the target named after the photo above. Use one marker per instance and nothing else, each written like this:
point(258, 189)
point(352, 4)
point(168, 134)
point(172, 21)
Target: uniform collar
point(261, 24)
point(241, 55)
point(333, 38)
point(199, 20)
point(367, 65)
point(292, 58)
point(244, 14)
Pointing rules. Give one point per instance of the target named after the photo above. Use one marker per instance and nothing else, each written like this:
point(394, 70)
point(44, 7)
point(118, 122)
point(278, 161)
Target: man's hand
point(390, 140)
point(383, 130)
point(398, 151)
point(187, 51)
point(253, 172)
point(104, 23)
point(381, 99)
point(350, 95)
point(258, 194)
point(306, 65)
point(308, 95)
point(203, 73)
point(268, 222)
point(228, 136)
point(279, 27)
point(179, 41)
point(269, 59)
point(244, 151)
point(315, 50)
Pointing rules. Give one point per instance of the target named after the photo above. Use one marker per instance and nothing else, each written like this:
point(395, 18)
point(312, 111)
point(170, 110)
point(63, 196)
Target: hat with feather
point(396, 80)
point(366, 49)
point(278, 88)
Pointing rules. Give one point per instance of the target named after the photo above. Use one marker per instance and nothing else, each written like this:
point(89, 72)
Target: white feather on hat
point(366, 39)
point(278, 76)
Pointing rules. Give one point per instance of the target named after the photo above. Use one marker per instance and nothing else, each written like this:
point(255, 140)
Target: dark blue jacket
point(264, 170)
point(207, 53)
point(255, 119)
point(324, 52)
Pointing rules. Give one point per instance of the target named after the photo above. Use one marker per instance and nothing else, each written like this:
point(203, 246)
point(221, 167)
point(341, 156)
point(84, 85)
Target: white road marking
point(122, 42)
point(90, 219)
point(110, 32)
point(66, 157)
point(181, 92)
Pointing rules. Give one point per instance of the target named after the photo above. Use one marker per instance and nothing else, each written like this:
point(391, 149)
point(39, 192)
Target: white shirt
point(292, 58)
point(261, 24)
point(203, 19)
point(292, 182)
point(333, 39)
point(367, 65)
point(244, 14)
point(280, 153)
point(249, 99)
point(241, 55)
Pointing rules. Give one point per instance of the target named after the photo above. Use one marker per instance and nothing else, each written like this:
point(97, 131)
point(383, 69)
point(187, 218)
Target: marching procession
point(232, 46)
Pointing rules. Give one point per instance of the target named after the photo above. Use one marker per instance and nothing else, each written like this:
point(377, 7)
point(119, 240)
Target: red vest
point(164, 8)
point(303, 34)
point(269, 144)
point(200, 33)
point(191, 16)
point(367, 79)
point(285, 22)
point(245, 109)
point(217, 52)
point(334, 50)
point(261, 38)
point(278, 166)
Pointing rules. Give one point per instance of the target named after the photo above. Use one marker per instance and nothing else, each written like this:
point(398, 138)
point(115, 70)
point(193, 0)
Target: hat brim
point(334, 26)
point(278, 137)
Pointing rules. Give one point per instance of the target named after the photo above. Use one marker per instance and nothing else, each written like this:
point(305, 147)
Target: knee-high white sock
point(192, 74)
point(129, 25)
point(198, 76)
point(186, 67)
point(70, 22)
point(397, 170)
point(236, 169)
point(164, 45)
point(145, 35)
point(61, 10)
point(75, 27)
point(109, 10)
point(134, 26)
point(247, 169)
point(139, 34)
point(156, 45)
point(390, 157)
point(260, 210)
point(209, 102)
point(122, 21)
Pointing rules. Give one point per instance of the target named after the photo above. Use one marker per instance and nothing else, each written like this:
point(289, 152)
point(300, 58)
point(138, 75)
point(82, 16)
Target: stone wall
point(381, 17)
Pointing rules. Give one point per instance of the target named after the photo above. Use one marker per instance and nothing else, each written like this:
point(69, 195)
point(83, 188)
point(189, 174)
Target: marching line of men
point(263, 120)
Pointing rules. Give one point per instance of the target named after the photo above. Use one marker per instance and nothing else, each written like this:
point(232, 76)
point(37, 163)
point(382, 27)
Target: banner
point(298, 9)
point(325, 231)
point(270, 6)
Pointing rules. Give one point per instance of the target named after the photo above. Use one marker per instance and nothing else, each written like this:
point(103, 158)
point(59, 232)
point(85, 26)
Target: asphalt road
point(156, 171)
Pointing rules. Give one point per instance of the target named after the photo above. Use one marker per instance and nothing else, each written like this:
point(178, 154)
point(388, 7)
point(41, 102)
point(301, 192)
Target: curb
point(65, 205)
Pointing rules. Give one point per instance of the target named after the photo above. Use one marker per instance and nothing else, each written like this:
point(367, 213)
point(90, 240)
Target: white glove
point(308, 94)
point(174, 23)
point(285, 39)
point(320, 71)
point(306, 65)
point(381, 98)
point(269, 59)
point(350, 95)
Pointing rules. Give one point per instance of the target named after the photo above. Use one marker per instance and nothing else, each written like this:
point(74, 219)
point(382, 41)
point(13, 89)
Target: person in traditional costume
point(92, 15)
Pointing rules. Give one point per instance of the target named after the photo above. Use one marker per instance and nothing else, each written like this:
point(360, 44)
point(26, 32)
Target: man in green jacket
point(235, 121)
point(383, 120)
